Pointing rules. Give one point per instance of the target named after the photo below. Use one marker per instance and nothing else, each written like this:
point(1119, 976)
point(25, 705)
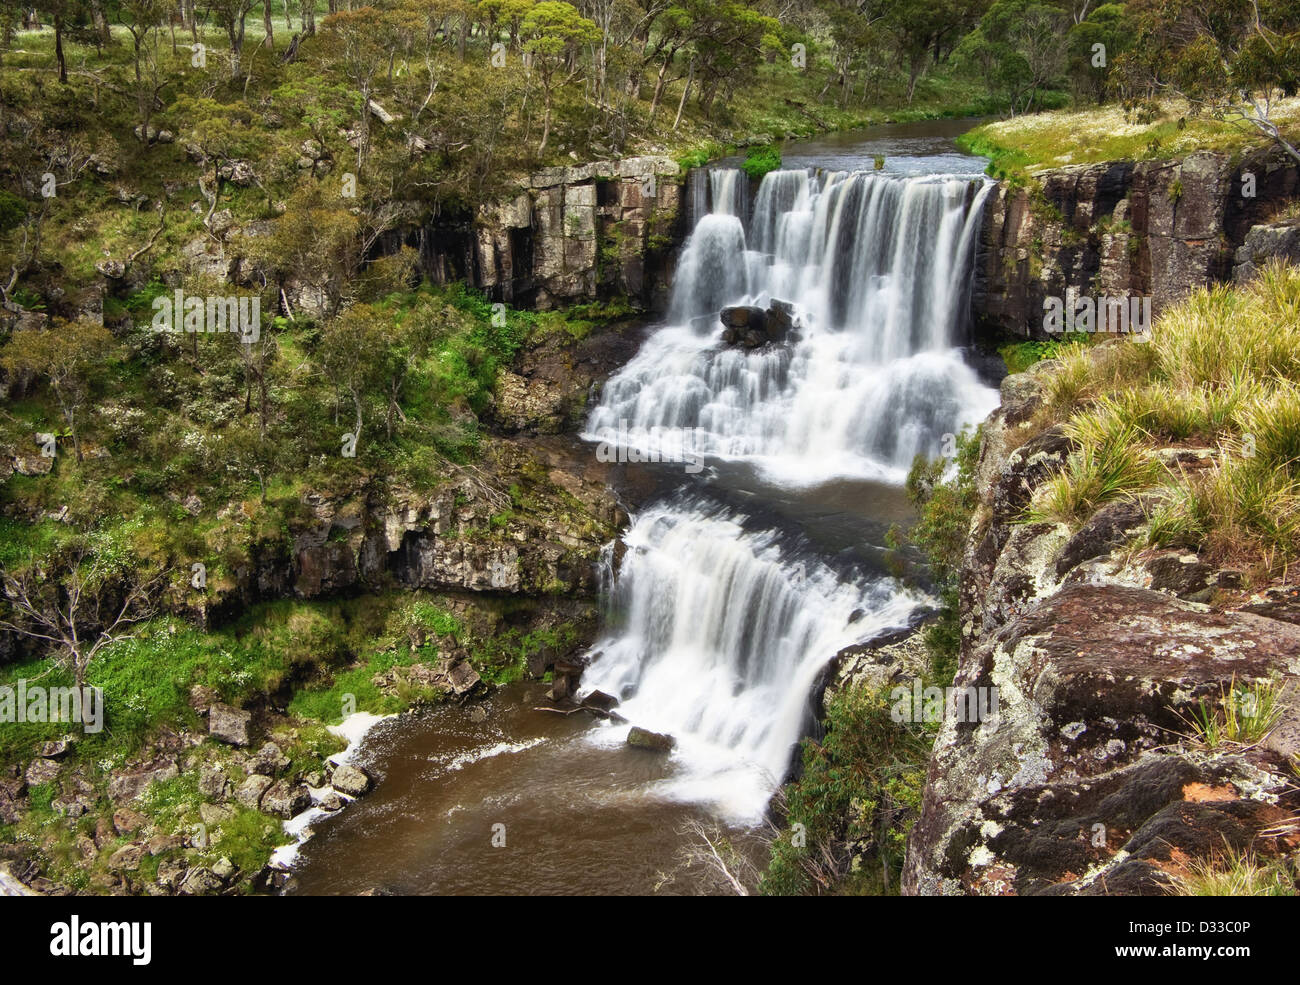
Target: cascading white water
point(722, 633)
point(877, 268)
point(721, 628)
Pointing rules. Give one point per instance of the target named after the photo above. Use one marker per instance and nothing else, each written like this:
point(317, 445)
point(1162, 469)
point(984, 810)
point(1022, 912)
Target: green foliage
point(946, 508)
point(760, 160)
point(860, 786)
point(1019, 356)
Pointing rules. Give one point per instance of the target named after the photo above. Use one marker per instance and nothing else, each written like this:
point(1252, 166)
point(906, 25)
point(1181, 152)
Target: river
point(742, 580)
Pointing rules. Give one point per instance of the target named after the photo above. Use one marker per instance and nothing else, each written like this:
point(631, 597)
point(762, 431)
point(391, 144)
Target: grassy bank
point(1020, 146)
point(1221, 373)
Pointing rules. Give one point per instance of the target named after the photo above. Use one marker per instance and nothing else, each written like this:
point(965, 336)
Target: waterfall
point(878, 269)
point(720, 626)
point(722, 632)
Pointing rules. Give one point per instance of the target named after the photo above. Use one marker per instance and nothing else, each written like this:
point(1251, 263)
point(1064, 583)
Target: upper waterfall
point(878, 269)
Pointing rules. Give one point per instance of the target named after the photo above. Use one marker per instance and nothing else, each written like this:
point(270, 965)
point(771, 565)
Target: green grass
point(1222, 371)
point(760, 160)
point(1233, 873)
point(1020, 146)
point(1243, 715)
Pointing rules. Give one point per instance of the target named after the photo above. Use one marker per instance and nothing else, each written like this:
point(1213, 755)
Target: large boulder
point(285, 799)
point(1095, 685)
point(229, 724)
point(639, 738)
point(350, 780)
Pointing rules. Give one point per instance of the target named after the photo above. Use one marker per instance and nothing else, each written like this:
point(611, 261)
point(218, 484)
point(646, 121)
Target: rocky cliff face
point(459, 537)
point(1085, 782)
point(1151, 228)
point(569, 235)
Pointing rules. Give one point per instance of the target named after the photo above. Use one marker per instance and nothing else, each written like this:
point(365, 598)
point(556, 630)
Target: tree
point(1020, 46)
point(360, 36)
point(230, 15)
point(555, 31)
point(1234, 59)
point(84, 607)
point(63, 354)
point(221, 133)
point(349, 349)
point(141, 18)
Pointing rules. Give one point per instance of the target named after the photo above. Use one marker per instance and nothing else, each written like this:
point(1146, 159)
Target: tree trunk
point(58, 49)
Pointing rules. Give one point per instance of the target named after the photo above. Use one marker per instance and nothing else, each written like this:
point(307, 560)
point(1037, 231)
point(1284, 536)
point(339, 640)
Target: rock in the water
point(463, 678)
point(600, 701)
point(229, 724)
point(350, 780)
point(640, 738)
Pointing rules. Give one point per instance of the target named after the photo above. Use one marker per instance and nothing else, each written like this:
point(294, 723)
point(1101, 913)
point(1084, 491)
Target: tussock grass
point(1222, 371)
point(1233, 873)
point(1243, 715)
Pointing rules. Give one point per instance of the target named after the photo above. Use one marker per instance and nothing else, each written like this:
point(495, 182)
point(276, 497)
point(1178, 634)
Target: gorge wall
point(1100, 656)
point(569, 235)
point(1122, 228)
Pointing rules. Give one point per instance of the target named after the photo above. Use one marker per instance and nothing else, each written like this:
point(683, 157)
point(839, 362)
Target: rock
point(463, 679)
point(128, 786)
point(213, 782)
point(56, 748)
point(600, 701)
point(249, 793)
point(127, 821)
point(170, 872)
point(1273, 241)
point(285, 799)
point(640, 738)
point(41, 771)
point(1025, 469)
point(330, 802)
point(112, 269)
point(224, 869)
point(350, 780)
point(744, 316)
point(201, 882)
point(229, 724)
point(1094, 681)
point(164, 843)
point(212, 815)
point(269, 760)
point(1179, 573)
point(127, 857)
point(1107, 529)
point(238, 173)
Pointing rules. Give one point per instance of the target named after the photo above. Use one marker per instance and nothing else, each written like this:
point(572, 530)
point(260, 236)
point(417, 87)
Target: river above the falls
point(740, 583)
